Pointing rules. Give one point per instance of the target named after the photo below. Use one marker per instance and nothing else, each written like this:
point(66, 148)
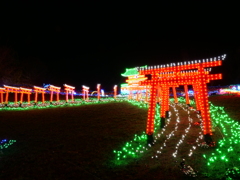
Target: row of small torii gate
point(159, 79)
point(69, 90)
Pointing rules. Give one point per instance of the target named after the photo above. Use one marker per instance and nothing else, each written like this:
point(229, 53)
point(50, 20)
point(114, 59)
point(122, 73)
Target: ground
point(78, 142)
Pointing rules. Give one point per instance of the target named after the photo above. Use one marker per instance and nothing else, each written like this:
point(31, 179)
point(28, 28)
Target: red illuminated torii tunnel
point(164, 77)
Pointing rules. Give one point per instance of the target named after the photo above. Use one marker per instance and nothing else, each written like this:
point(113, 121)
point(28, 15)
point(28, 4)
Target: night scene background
point(86, 43)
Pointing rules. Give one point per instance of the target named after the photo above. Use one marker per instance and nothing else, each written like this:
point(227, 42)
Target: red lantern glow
point(13, 90)
point(2, 90)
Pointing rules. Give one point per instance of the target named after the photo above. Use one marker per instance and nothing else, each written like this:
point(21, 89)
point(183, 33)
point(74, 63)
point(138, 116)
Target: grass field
point(78, 143)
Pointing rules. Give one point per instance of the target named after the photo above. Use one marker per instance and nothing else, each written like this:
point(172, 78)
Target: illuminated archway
point(69, 89)
point(85, 92)
point(37, 90)
point(195, 73)
point(54, 89)
point(25, 91)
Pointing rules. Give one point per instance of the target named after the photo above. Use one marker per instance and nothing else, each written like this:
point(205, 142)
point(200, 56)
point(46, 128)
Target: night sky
point(85, 43)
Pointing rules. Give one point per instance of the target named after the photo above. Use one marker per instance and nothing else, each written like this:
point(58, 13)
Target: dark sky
point(85, 43)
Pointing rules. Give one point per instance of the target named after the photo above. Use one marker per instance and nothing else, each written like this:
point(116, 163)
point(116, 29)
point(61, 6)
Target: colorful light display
point(85, 92)
point(232, 89)
point(37, 90)
point(225, 156)
point(175, 95)
point(115, 92)
point(186, 94)
point(133, 83)
point(195, 73)
point(26, 91)
point(13, 90)
point(2, 91)
point(6, 143)
point(54, 89)
point(69, 89)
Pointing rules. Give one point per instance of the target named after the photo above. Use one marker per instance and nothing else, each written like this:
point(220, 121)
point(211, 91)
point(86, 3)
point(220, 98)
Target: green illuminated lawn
point(79, 142)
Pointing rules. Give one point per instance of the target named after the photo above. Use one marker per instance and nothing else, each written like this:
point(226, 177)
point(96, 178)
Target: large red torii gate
point(195, 73)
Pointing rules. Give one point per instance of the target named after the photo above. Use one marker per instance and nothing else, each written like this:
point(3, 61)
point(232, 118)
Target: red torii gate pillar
point(175, 95)
point(159, 92)
point(164, 110)
point(115, 91)
point(54, 89)
point(2, 90)
point(98, 91)
point(37, 90)
point(151, 114)
point(25, 91)
point(69, 89)
point(186, 94)
point(197, 96)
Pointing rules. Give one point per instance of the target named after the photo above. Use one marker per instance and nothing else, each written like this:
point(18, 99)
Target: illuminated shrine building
point(133, 86)
point(11, 89)
point(159, 79)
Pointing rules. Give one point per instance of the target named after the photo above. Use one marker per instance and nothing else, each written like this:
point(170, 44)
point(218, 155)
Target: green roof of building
point(124, 85)
point(131, 72)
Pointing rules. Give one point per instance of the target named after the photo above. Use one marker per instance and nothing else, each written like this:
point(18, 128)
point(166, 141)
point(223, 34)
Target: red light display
point(162, 78)
point(54, 89)
point(25, 91)
point(37, 90)
point(115, 91)
point(85, 92)
point(2, 90)
point(69, 89)
point(98, 91)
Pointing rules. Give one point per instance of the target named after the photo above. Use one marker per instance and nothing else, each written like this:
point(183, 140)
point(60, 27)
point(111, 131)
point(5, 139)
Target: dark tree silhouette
point(15, 71)
point(10, 67)
point(34, 71)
